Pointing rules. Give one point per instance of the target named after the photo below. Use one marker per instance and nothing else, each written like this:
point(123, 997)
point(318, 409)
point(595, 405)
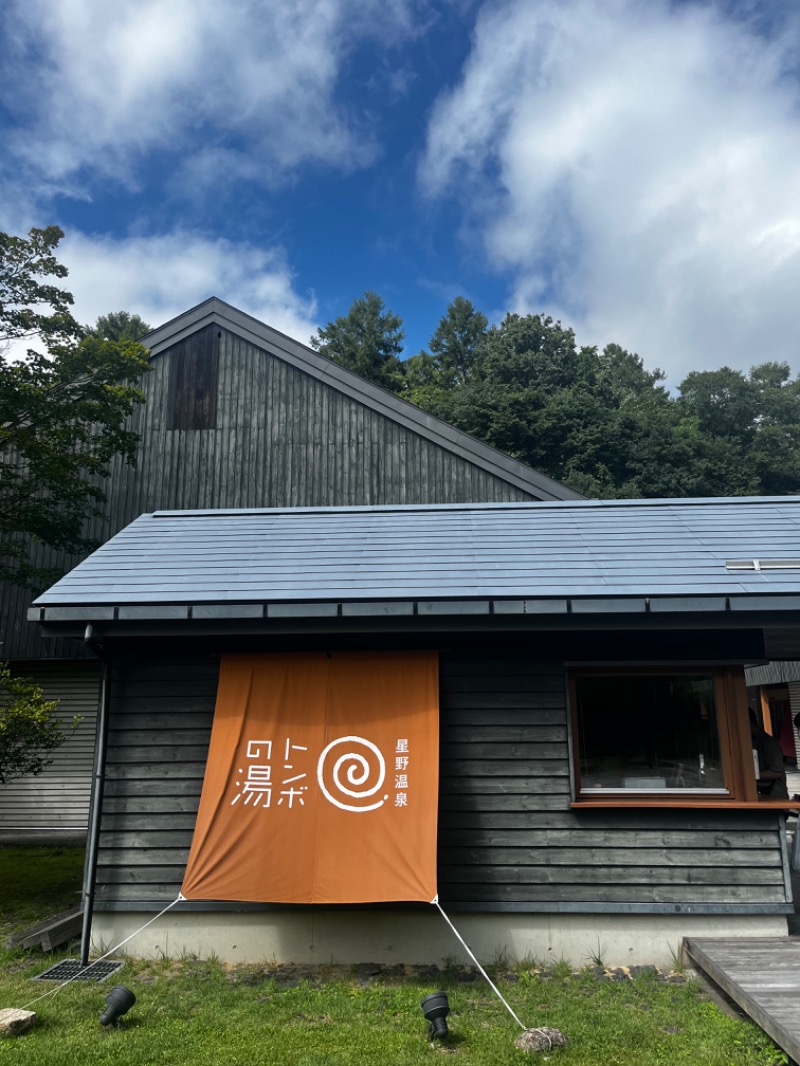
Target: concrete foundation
point(345, 937)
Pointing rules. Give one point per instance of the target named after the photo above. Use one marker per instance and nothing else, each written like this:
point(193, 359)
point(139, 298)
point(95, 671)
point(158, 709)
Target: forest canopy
point(596, 419)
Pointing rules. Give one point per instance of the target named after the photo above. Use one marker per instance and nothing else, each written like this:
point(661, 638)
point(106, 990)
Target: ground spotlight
point(118, 1002)
point(436, 1008)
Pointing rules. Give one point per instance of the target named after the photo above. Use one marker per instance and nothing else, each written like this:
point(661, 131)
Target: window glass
point(648, 732)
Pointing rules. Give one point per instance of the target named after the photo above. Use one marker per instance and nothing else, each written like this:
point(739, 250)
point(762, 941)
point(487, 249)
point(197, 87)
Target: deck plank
point(761, 975)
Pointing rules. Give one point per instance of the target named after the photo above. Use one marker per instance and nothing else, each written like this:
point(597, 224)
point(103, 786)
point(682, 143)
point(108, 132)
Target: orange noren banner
point(322, 780)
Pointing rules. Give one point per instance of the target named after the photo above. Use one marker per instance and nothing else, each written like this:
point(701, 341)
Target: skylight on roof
point(762, 564)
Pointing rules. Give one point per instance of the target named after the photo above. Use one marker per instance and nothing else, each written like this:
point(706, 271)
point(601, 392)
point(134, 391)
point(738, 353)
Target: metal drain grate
point(71, 970)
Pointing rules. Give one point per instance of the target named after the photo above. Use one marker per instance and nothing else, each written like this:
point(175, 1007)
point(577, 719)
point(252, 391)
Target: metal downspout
point(96, 805)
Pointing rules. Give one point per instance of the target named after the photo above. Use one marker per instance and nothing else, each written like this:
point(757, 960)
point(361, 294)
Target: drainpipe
point(96, 806)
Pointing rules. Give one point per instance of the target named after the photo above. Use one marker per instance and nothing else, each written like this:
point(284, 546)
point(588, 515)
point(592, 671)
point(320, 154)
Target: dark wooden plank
point(146, 856)
point(125, 787)
point(557, 766)
point(161, 894)
point(143, 838)
point(127, 671)
point(631, 856)
point(491, 751)
point(154, 806)
point(139, 875)
point(49, 934)
point(484, 733)
point(189, 688)
point(608, 838)
point(155, 774)
point(156, 753)
point(507, 718)
point(725, 823)
point(507, 786)
point(456, 701)
point(151, 739)
point(625, 894)
point(159, 708)
point(122, 821)
point(499, 681)
point(455, 664)
point(612, 875)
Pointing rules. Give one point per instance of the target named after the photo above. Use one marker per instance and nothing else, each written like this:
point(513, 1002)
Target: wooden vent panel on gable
point(194, 380)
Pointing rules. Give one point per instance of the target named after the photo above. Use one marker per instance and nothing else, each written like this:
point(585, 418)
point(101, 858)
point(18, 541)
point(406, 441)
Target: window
point(664, 734)
point(194, 381)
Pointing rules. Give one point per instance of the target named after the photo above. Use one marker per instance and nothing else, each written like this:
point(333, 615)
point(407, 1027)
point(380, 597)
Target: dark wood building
point(239, 415)
point(597, 784)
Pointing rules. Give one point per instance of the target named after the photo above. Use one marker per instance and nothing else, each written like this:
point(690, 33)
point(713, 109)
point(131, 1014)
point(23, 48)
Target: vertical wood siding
point(507, 836)
point(59, 797)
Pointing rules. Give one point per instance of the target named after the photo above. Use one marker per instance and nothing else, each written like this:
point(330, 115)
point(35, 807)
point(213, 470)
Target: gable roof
point(628, 556)
point(218, 313)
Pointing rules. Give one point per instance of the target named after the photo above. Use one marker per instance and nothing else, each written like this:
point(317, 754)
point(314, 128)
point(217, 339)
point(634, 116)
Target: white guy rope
point(110, 951)
point(466, 947)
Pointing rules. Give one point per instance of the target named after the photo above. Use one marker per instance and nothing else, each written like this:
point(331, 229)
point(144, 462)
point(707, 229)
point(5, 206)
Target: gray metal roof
point(216, 312)
point(582, 557)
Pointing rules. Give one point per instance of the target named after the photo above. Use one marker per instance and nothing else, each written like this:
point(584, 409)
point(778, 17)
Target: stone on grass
point(542, 1039)
point(15, 1020)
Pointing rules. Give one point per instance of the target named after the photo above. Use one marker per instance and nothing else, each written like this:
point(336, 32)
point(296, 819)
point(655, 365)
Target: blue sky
point(631, 167)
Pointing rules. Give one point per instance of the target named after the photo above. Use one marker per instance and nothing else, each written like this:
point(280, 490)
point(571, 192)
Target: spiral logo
point(351, 769)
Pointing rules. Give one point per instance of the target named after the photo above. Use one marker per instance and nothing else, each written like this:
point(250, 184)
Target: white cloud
point(98, 85)
point(634, 166)
point(163, 276)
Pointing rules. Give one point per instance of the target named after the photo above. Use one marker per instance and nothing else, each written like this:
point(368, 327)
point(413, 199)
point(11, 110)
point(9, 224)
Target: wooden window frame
point(733, 727)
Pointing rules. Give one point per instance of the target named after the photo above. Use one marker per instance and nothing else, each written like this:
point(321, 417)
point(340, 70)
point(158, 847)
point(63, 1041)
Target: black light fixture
point(118, 1002)
point(436, 1008)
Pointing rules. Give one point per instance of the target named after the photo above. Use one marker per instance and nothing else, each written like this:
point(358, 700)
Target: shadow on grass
point(37, 883)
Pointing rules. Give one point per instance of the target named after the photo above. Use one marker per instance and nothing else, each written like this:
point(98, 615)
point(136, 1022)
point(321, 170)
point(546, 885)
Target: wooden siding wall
point(59, 798)
point(507, 837)
point(281, 438)
point(159, 731)
point(285, 439)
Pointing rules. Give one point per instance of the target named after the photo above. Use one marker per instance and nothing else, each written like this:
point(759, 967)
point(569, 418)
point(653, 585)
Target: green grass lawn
point(190, 1011)
point(193, 1012)
point(37, 883)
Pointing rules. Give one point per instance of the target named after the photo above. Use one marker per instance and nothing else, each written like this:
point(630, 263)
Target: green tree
point(748, 428)
point(775, 449)
point(457, 341)
point(531, 352)
point(368, 340)
point(520, 369)
point(29, 730)
point(119, 326)
point(454, 350)
point(30, 307)
point(63, 405)
point(724, 402)
point(598, 421)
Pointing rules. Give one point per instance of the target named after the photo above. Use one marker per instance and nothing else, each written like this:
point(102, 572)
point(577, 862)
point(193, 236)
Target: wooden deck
point(762, 976)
